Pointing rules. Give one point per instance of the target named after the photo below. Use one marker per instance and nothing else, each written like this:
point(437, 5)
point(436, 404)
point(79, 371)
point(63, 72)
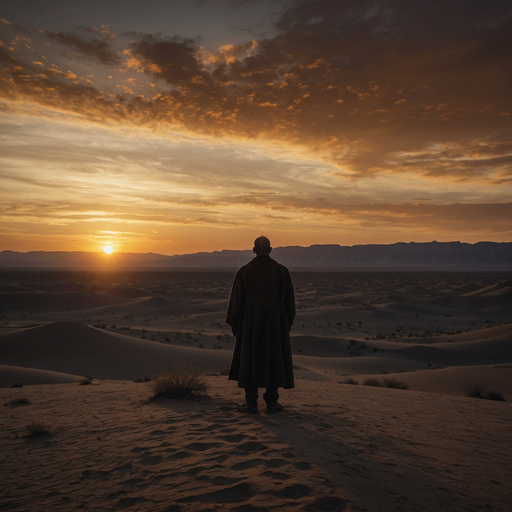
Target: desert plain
point(412, 440)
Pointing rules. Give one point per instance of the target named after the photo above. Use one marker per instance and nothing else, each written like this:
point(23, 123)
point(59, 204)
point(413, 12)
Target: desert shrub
point(391, 382)
point(474, 390)
point(351, 381)
point(17, 385)
point(85, 381)
point(181, 381)
point(36, 429)
point(495, 395)
point(21, 400)
point(370, 381)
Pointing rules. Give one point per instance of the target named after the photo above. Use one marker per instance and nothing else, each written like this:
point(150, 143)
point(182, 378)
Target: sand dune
point(337, 446)
point(490, 333)
point(453, 380)
point(82, 350)
point(32, 376)
point(469, 353)
point(49, 301)
point(127, 292)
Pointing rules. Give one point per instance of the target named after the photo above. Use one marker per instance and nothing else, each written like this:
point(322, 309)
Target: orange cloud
point(423, 101)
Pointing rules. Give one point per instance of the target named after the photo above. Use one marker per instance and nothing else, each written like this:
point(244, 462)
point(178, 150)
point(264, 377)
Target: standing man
point(261, 312)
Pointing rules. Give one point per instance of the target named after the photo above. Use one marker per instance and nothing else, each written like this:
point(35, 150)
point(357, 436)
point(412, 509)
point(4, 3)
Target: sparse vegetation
point(494, 395)
point(351, 381)
point(17, 385)
point(86, 381)
point(181, 381)
point(36, 429)
point(478, 390)
point(371, 381)
point(391, 382)
point(21, 400)
point(474, 389)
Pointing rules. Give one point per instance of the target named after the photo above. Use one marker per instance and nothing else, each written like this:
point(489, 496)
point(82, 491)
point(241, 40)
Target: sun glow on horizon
point(108, 249)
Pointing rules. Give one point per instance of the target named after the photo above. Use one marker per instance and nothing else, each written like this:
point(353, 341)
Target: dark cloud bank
point(358, 81)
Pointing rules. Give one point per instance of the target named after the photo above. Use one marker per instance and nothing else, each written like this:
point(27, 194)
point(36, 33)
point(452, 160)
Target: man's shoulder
point(282, 267)
point(243, 270)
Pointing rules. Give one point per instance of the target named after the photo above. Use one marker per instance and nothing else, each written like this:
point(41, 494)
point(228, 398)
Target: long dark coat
point(261, 311)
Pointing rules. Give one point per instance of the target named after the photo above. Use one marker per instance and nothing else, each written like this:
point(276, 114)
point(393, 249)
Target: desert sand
point(336, 446)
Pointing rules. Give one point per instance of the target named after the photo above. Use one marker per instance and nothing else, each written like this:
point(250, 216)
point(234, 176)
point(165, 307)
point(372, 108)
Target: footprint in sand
point(274, 475)
point(220, 480)
point(236, 494)
point(125, 468)
point(302, 466)
point(228, 430)
point(179, 455)
point(294, 491)
point(249, 508)
point(196, 470)
point(151, 461)
point(130, 502)
point(251, 446)
point(201, 447)
point(218, 458)
point(235, 438)
point(138, 449)
point(90, 473)
point(327, 503)
point(276, 463)
point(158, 433)
point(247, 464)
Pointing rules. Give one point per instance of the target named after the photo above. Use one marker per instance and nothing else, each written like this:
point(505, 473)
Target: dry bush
point(21, 400)
point(181, 381)
point(371, 381)
point(36, 429)
point(85, 381)
point(391, 382)
point(17, 385)
point(351, 381)
point(474, 389)
point(495, 395)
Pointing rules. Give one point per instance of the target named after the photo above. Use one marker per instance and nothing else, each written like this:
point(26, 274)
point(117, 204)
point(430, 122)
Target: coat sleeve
point(290, 302)
point(236, 303)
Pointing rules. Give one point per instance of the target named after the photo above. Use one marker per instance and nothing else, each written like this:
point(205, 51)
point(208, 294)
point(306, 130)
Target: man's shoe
point(274, 407)
point(246, 407)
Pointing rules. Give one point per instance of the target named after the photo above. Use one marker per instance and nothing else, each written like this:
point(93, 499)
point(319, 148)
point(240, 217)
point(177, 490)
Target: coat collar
point(262, 260)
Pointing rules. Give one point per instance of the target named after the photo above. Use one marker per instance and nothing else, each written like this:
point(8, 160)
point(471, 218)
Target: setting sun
point(108, 249)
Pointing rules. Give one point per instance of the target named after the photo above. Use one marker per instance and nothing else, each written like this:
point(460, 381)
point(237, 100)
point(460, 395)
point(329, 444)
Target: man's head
point(261, 246)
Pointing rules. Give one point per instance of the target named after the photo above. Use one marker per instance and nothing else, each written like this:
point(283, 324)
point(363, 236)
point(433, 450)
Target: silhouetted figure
point(261, 311)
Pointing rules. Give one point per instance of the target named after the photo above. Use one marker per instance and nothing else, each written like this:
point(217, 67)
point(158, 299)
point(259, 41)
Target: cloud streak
point(378, 102)
point(352, 82)
point(96, 44)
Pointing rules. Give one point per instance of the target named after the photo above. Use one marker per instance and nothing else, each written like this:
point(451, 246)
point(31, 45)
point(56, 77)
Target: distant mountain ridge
point(399, 256)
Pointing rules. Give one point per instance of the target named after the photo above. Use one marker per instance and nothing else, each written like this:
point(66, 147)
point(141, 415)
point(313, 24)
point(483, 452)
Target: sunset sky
point(182, 126)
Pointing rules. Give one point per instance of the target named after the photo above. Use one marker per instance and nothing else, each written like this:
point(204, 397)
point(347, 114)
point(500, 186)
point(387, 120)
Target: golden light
point(108, 249)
